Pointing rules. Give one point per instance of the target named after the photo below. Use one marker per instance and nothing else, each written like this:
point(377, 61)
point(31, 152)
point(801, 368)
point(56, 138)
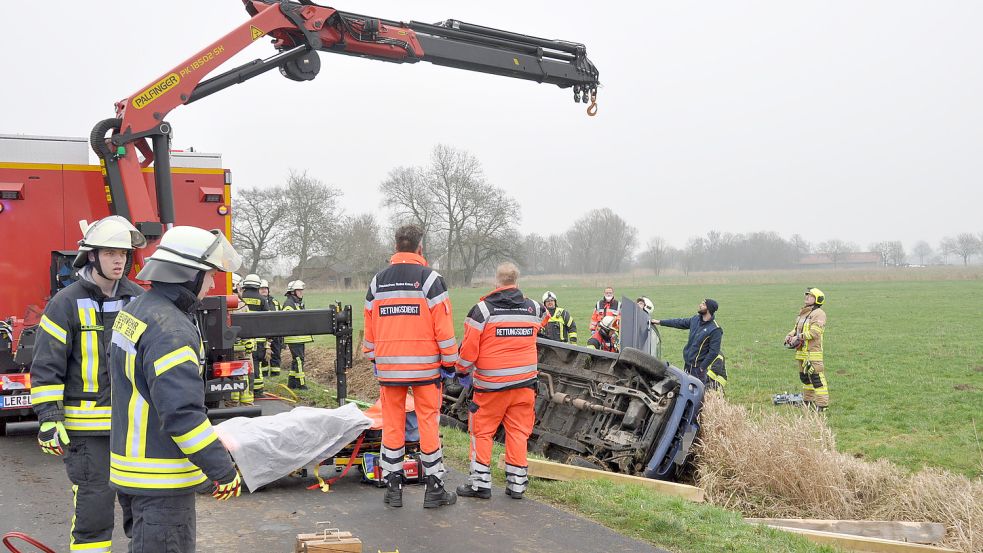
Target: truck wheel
point(646, 365)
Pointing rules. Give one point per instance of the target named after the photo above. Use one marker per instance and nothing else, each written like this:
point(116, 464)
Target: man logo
point(416, 284)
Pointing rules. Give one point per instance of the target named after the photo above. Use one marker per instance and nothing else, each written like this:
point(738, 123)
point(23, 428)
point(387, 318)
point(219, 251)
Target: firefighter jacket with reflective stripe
point(272, 304)
point(293, 303)
point(561, 326)
point(604, 308)
point(810, 325)
point(409, 329)
point(598, 341)
point(162, 442)
point(70, 371)
point(500, 340)
point(255, 302)
point(703, 345)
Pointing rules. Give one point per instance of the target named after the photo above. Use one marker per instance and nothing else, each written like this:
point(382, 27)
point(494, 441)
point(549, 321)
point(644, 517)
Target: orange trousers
point(512, 408)
point(427, 399)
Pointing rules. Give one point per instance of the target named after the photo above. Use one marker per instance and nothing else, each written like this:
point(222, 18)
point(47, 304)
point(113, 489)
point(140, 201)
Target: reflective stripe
point(368, 345)
point(448, 359)
point(447, 343)
point(514, 319)
point(407, 359)
point(421, 374)
point(156, 481)
point(90, 346)
point(432, 457)
point(87, 412)
point(56, 332)
point(123, 343)
point(51, 392)
point(484, 309)
point(370, 354)
point(399, 294)
point(196, 440)
point(436, 300)
point(505, 372)
point(464, 363)
point(496, 385)
point(94, 547)
point(137, 413)
point(431, 278)
point(368, 305)
point(151, 465)
point(474, 324)
point(181, 355)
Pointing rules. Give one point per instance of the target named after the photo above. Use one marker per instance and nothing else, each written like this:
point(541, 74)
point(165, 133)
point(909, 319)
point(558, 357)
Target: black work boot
point(293, 383)
point(394, 490)
point(465, 490)
point(513, 494)
point(436, 495)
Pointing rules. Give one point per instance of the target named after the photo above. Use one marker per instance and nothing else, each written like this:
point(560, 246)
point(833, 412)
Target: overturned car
point(626, 412)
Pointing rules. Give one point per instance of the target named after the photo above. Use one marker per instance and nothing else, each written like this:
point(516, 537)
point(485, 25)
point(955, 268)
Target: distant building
point(854, 260)
point(322, 271)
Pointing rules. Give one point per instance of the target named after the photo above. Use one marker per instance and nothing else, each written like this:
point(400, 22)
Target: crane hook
point(592, 108)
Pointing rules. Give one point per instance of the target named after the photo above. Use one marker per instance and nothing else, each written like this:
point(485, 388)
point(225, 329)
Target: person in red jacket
point(605, 338)
point(500, 348)
point(606, 306)
point(409, 337)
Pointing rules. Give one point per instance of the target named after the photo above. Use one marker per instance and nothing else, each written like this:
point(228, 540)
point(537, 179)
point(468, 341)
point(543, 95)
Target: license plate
point(20, 401)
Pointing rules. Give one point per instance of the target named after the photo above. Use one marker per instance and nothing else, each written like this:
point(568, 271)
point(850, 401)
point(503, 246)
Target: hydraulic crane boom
point(299, 31)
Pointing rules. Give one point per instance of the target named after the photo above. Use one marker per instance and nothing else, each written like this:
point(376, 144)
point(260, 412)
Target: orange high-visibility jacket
point(604, 308)
point(409, 330)
point(500, 340)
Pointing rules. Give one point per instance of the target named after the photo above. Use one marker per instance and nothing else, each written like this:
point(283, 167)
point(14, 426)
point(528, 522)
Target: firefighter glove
point(447, 371)
point(465, 380)
point(228, 490)
point(52, 437)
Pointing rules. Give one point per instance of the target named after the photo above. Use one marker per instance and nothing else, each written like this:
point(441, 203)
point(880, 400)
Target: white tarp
point(268, 448)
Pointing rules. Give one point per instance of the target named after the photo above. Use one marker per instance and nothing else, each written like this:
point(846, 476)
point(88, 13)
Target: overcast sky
point(859, 120)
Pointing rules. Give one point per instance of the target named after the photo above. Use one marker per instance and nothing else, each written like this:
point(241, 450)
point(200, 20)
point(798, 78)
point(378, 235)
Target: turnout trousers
point(296, 374)
point(159, 523)
point(87, 465)
point(814, 385)
point(276, 346)
point(515, 410)
point(427, 399)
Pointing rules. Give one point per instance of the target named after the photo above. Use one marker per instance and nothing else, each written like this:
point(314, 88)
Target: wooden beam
point(864, 544)
point(913, 532)
point(559, 471)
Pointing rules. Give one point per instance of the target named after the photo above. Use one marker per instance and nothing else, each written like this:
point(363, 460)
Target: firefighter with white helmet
point(561, 326)
point(163, 445)
point(605, 338)
point(255, 301)
point(296, 378)
point(70, 373)
point(275, 343)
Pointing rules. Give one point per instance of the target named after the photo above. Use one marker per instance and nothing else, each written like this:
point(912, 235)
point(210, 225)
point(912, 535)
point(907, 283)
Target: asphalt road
point(35, 498)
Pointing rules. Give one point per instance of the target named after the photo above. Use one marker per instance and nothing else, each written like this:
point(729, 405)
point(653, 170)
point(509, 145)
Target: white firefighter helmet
point(252, 280)
point(185, 251)
point(547, 296)
point(607, 323)
point(109, 232)
point(647, 305)
point(236, 281)
point(263, 283)
point(295, 285)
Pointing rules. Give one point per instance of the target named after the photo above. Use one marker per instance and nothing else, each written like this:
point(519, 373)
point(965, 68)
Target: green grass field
point(905, 362)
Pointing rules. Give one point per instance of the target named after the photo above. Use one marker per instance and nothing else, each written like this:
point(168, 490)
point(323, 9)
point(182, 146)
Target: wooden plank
point(559, 471)
point(863, 544)
point(913, 532)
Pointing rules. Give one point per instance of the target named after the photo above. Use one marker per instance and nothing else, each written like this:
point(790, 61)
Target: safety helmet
point(547, 296)
point(607, 323)
point(263, 283)
point(236, 281)
point(295, 285)
point(818, 294)
point(648, 305)
point(184, 251)
point(252, 280)
point(109, 232)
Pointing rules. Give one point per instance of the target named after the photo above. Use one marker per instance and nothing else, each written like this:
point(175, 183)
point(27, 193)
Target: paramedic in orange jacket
point(500, 347)
point(409, 336)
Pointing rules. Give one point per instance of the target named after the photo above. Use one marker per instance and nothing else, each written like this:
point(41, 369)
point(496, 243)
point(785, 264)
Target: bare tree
point(603, 242)
point(405, 193)
point(884, 249)
point(489, 231)
point(361, 246)
point(896, 253)
point(656, 254)
point(313, 216)
point(802, 247)
point(922, 251)
point(692, 255)
point(836, 250)
point(258, 224)
point(966, 245)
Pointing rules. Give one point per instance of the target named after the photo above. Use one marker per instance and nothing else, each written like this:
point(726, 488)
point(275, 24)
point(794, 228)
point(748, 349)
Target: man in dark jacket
point(163, 445)
point(705, 338)
point(70, 373)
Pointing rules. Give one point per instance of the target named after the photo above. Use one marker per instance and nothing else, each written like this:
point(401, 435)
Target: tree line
point(471, 224)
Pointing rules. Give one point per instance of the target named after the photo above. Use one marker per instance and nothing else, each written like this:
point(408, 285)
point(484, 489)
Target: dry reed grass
point(786, 466)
